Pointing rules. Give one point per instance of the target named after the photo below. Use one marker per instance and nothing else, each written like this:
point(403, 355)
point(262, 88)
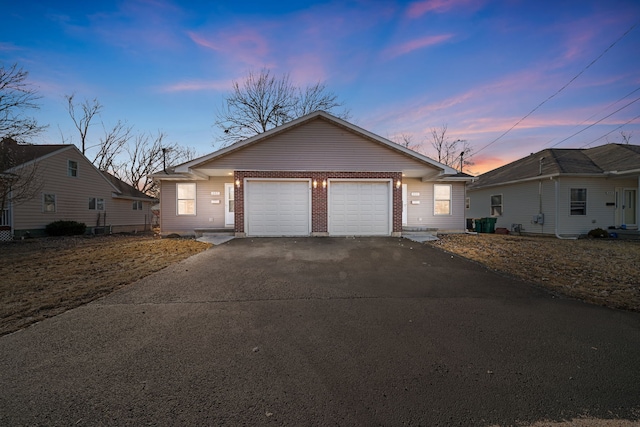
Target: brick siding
point(319, 209)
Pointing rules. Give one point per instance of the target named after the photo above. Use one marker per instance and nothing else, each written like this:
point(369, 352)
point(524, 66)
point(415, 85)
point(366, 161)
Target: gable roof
point(126, 191)
point(189, 167)
point(13, 154)
point(604, 160)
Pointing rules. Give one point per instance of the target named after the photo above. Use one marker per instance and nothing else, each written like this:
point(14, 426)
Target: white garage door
point(359, 209)
point(277, 208)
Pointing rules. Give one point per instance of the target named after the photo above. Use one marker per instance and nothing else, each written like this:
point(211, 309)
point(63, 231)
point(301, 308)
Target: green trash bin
point(489, 225)
point(478, 225)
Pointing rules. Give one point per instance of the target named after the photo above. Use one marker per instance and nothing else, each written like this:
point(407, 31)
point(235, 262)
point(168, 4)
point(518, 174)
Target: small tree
point(263, 101)
point(453, 153)
point(82, 120)
point(16, 99)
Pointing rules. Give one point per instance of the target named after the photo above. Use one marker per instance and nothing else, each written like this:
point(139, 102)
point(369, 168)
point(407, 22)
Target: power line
point(593, 115)
point(611, 131)
point(561, 89)
point(595, 123)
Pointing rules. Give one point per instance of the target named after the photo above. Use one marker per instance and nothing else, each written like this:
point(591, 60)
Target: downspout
point(557, 218)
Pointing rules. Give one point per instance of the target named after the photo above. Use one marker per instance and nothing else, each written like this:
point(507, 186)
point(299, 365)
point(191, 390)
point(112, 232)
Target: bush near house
point(65, 228)
point(598, 233)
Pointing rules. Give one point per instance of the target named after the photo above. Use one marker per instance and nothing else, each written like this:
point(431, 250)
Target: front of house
point(562, 192)
point(315, 176)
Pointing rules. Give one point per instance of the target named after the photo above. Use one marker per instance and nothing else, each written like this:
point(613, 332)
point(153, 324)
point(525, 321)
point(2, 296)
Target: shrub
point(65, 228)
point(598, 233)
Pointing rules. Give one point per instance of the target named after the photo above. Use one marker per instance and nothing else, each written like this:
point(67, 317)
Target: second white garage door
point(359, 208)
point(277, 208)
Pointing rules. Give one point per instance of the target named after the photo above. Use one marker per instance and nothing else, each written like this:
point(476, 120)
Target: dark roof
point(13, 154)
point(125, 189)
point(558, 161)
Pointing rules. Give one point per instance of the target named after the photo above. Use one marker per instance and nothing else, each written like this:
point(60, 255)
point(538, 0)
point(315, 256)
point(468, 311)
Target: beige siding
point(208, 214)
point(317, 146)
point(421, 215)
point(522, 201)
point(72, 196)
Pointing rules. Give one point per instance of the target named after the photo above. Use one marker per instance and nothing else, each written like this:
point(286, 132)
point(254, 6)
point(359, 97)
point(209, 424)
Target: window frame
point(178, 199)
point(72, 168)
point(492, 205)
point(448, 200)
point(578, 205)
point(54, 203)
point(137, 205)
point(98, 204)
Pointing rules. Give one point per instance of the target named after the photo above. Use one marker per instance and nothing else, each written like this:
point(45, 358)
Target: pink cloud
point(417, 9)
point(197, 85)
point(410, 46)
point(248, 46)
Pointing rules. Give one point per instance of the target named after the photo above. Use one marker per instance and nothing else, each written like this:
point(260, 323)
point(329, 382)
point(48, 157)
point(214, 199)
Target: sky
point(511, 77)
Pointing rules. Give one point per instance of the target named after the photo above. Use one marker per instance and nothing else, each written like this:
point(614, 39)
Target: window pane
point(186, 191)
point(92, 203)
point(496, 210)
point(578, 205)
point(496, 200)
point(442, 207)
point(73, 168)
point(100, 204)
point(442, 192)
point(49, 202)
point(186, 207)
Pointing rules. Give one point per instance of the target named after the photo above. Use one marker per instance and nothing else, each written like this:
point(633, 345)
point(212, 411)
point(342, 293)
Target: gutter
point(557, 219)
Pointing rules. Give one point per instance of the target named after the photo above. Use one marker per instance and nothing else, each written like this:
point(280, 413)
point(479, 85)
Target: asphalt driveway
point(371, 331)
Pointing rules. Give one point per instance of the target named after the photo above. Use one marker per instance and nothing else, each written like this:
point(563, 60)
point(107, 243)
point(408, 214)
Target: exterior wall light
point(398, 183)
point(324, 184)
point(315, 184)
point(238, 183)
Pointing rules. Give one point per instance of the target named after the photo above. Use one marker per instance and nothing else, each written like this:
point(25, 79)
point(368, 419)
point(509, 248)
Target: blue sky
point(477, 66)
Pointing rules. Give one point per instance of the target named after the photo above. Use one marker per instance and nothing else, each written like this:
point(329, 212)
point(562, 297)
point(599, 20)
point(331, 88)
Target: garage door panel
point(277, 208)
point(359, 208)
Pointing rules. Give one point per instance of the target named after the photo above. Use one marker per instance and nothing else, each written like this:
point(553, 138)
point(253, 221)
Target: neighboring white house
point(317, 175)
point(562, 192)
point(68, 187)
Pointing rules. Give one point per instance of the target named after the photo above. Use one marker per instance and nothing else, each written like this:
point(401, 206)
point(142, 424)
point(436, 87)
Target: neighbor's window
point(48, 202)
point(186, 194)
point(442, 199)
point(496, 205)
point(96, 204)
point(137, 205)
point(578, 201)
point(72, 168)
point(467, 203)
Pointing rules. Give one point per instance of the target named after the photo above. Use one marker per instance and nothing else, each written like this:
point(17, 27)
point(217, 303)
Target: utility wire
point(593, 115)
point(595, 123)
point(611, 131)
point(561, 89)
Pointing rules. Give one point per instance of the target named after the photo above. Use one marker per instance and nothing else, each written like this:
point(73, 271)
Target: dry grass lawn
point(600, 271)
point(40, 278)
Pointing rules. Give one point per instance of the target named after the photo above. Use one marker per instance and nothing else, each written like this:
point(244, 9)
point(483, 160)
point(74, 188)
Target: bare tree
point(148, 154)
point(16, 98)
point(406, 140)
point(111, 146)
point(263, 101)
point(19, 179)
point(82, 120)
point(453, 153)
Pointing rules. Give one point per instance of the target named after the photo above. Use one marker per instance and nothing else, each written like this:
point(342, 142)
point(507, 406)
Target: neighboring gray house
point(317, 175)
point(66, 186)
point(562, 192)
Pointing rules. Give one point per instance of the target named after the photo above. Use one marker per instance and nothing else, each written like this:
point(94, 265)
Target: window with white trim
point(137, 205)
point(48, 203)
point(578, 201)
point(72, 168)
point(442, 199)
point(186, 199)
point(96, 204)
point(496, 205)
